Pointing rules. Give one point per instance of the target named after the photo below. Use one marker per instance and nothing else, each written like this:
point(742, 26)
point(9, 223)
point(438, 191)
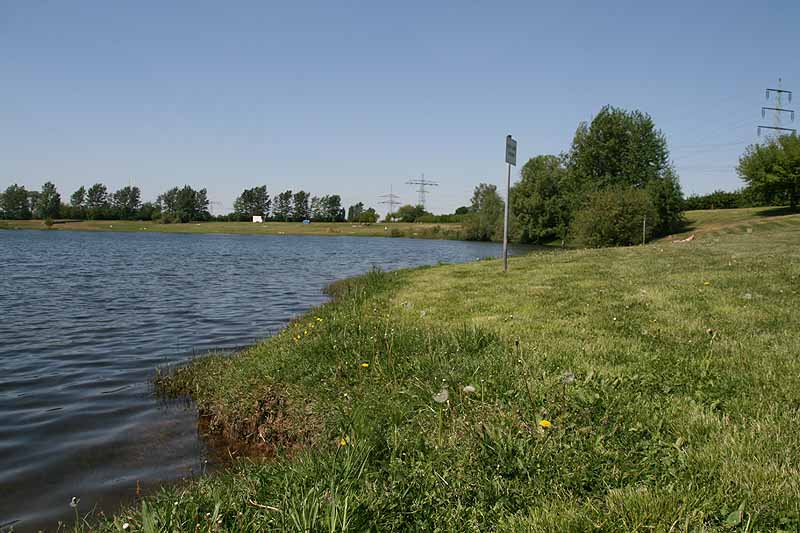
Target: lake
point(86, 318)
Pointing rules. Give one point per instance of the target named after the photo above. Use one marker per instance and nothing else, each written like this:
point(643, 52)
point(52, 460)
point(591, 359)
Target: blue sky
point(352, 97)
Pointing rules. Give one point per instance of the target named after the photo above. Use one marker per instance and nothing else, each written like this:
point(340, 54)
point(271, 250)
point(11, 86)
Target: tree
point(282, 209)
point(126, 202)
point(317, 212)
point(354, 212)
point(613, 217)
point(409, 213)
point(463, 210)
point(300, 209)
point(539, 202)
point(97, 201)
point(252, 202)
point(773, 168)
point(619, 148)
point(185, 204)
point(368, 216)
point(14, 203)
point(78, 198)
point(332, 210)
point(485, 220)
point(48, 203)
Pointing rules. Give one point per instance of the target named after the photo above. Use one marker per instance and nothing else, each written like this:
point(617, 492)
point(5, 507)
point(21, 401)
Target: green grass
point(669, 374)
point(398, 229)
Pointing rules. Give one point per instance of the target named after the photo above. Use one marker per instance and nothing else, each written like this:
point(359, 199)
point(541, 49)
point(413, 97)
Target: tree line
point(616, 180)
point(179, 204)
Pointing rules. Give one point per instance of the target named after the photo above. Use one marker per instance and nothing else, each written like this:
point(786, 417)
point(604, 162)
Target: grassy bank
point(631, 389)
point(398, 229)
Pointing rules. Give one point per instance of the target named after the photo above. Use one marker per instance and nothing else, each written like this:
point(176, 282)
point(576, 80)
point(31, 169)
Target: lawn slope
point(630, 389)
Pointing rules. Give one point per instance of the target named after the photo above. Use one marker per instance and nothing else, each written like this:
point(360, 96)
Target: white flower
point(441, 396)
point(74, 502)
point(126, 525)
point(469, 389)
point(567, 377)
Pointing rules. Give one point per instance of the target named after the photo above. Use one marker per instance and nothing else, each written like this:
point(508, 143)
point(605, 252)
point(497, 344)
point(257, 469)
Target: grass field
point(651, 388)
point(398, 229)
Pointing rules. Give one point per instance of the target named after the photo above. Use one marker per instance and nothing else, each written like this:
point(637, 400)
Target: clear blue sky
point(344, 97)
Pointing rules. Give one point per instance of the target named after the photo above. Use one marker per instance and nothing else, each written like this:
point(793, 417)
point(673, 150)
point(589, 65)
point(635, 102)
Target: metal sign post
point(511, 159)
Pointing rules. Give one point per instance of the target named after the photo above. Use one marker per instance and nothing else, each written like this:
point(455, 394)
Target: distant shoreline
point(444, 231)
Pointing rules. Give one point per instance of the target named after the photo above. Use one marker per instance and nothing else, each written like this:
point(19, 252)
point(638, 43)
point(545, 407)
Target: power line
point(422, 182)
point(391, 199)
point(777, 110)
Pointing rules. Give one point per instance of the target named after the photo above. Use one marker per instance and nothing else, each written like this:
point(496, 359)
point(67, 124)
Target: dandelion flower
point(706, 283)
point(441, 396)
point(364, 365)
point(343, 442)
point(469, 389)
point(545, 424)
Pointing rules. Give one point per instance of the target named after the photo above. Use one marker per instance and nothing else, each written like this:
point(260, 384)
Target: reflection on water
point(87, 317)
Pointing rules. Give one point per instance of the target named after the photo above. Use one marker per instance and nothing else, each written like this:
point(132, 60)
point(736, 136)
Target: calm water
point(85, 318)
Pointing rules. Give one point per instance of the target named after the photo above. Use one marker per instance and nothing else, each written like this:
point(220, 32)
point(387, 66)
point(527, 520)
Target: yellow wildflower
point(545, 423)
point(706, 283)
point(364, 365)
point(343, 442)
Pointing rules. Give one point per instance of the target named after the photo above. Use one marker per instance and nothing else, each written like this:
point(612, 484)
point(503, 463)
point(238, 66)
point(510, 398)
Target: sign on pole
point(511, 151)
point(511, 159)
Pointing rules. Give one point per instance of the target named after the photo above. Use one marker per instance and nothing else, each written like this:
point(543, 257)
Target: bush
point(613, 217)
point(48, 222)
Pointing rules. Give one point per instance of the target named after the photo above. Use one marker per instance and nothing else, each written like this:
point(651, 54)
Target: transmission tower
point(422, 182)
point(391, 199)
point(778, 111)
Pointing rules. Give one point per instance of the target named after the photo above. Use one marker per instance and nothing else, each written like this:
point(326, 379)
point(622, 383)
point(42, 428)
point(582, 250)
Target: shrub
point(613, 217)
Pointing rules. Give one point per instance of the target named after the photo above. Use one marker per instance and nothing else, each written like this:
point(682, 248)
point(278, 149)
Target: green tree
point(368, 216)
point(185, 204)
point(618, 148)
point(773, 168)
point(354, 212)
point(97, 202)
point(300, 207)
point(539, 200)
point(14, 203)
point(623, 149)
point(126, 202)
point(78, 198)
point(485, 221)
point(409, 213)
point(331, 207)
point(463, 210)
point(252, 202)
point(282, 209)
point(49, 202)
point(614, 217)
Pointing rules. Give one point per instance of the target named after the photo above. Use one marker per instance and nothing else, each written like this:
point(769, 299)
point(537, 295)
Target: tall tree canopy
point(126, 202)
point(282, 208)
point(49, 202)
point(14, 203)
point(185, 204)
point(485, 221)
point(538, 200)
point(774, 167)
point(300, 208)
point(252, 202)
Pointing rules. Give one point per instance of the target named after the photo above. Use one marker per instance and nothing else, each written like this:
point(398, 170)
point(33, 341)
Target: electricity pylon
point(778, 111)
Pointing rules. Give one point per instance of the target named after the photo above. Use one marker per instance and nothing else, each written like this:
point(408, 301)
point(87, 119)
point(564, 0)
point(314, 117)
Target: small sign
point(511, 151)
